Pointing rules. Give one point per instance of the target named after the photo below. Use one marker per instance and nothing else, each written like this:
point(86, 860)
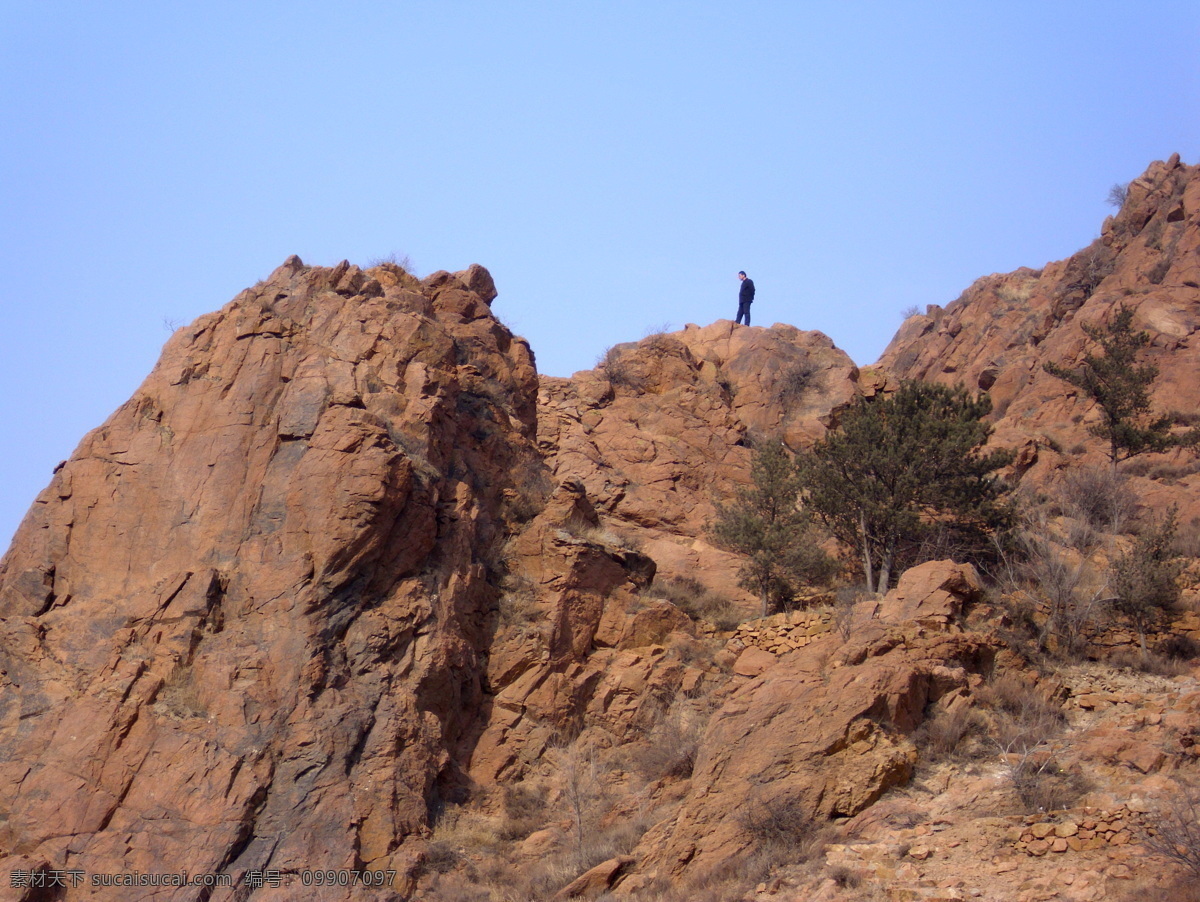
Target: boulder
point(824, 731)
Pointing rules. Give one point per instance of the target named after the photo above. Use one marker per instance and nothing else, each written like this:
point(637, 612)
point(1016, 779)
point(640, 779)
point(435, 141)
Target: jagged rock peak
point(245, 625)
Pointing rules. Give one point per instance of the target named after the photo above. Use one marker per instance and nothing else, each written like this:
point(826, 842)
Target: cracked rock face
point(243, 627)
point(824, 731)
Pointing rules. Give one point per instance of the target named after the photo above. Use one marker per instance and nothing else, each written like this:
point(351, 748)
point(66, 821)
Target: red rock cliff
point(244, 626)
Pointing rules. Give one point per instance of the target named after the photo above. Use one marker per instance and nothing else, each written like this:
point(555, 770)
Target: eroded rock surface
point(244, 627)
point(823, 732)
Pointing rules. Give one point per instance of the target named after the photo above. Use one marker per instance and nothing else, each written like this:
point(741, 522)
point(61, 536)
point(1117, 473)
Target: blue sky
point(612, 163)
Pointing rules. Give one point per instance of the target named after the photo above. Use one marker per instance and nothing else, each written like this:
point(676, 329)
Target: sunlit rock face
point(246, 625)
point(998, 335)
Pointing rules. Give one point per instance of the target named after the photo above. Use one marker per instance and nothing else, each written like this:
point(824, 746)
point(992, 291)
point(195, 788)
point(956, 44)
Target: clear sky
point(613, 163)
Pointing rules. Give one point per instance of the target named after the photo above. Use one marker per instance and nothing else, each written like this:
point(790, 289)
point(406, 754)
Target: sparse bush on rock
point(1176, 835)
point(1146, 577)
point(905, 474)
point(1120, 387)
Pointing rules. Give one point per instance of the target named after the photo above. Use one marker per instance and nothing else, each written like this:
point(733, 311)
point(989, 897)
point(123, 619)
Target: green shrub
point(767, 524)
point(904, 476)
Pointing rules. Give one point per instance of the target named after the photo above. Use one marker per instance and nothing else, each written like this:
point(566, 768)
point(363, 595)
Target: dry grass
point(474, 855)
point(1015, 294)
point(179, 696)
point(845, 878)
point(782, 822)
point(1022, 716)
point(524, 806)
point(463, 829)
point(1165, 471)
point(620, 368)
point(698, 602)
point(1150, 662)
point(601, 536)
point(1023, 723)
point(1176, 832)
point(692, 651)
point(518, 606)
point(401, 261)
point(1100, 496)
point(1045, 786)
point(944, 736)
point(800, 378)
point(673, 734)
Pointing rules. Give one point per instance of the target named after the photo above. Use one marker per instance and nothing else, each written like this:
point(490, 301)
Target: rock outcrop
point(244, 627)
point(999, 333)
point(663, 426)
point(823, 732)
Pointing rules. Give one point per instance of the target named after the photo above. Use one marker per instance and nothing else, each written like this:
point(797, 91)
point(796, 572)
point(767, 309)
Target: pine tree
point(766, 524)
point(902, 478)
point(1121, 388)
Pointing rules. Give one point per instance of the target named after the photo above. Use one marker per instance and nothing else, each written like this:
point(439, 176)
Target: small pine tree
point(1146, 577)
point(902, 479)
point(766, 524)
point(1121, 388)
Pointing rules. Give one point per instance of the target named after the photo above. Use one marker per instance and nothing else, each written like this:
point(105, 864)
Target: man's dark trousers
point(743, 310)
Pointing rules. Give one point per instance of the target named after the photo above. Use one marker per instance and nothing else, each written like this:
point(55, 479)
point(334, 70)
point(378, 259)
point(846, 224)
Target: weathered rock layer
point(243, 626)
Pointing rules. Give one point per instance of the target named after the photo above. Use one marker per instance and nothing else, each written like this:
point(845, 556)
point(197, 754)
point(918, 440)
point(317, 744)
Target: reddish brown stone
point(997, 336)
point(249, 620)
point(828, 741)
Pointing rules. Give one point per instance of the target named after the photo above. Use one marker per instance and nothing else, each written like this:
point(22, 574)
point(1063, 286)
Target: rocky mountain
point(243, 625)
point(347, 602)
point(999, 333)
point(315, 580)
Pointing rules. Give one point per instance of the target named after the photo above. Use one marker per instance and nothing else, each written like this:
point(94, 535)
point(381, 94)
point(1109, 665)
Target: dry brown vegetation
point(699, 602)
point(591, 800)
point(580, 810)
point(620, 368)
point(1176, 832)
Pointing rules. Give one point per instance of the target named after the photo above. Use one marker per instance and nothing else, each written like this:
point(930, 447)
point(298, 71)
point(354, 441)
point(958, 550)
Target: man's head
point(741, 274)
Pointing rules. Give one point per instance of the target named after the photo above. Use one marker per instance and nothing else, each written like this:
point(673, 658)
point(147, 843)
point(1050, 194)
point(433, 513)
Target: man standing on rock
point(745, 297)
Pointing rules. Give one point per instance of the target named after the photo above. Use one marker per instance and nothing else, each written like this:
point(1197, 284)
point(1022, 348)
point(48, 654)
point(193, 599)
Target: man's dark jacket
point(746, 292)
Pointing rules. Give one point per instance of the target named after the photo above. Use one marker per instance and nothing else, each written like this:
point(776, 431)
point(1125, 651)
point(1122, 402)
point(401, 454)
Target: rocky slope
point(997, 336)
point(346, 585)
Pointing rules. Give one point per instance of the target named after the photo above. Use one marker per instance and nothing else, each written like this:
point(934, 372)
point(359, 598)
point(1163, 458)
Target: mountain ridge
point(345, 563)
